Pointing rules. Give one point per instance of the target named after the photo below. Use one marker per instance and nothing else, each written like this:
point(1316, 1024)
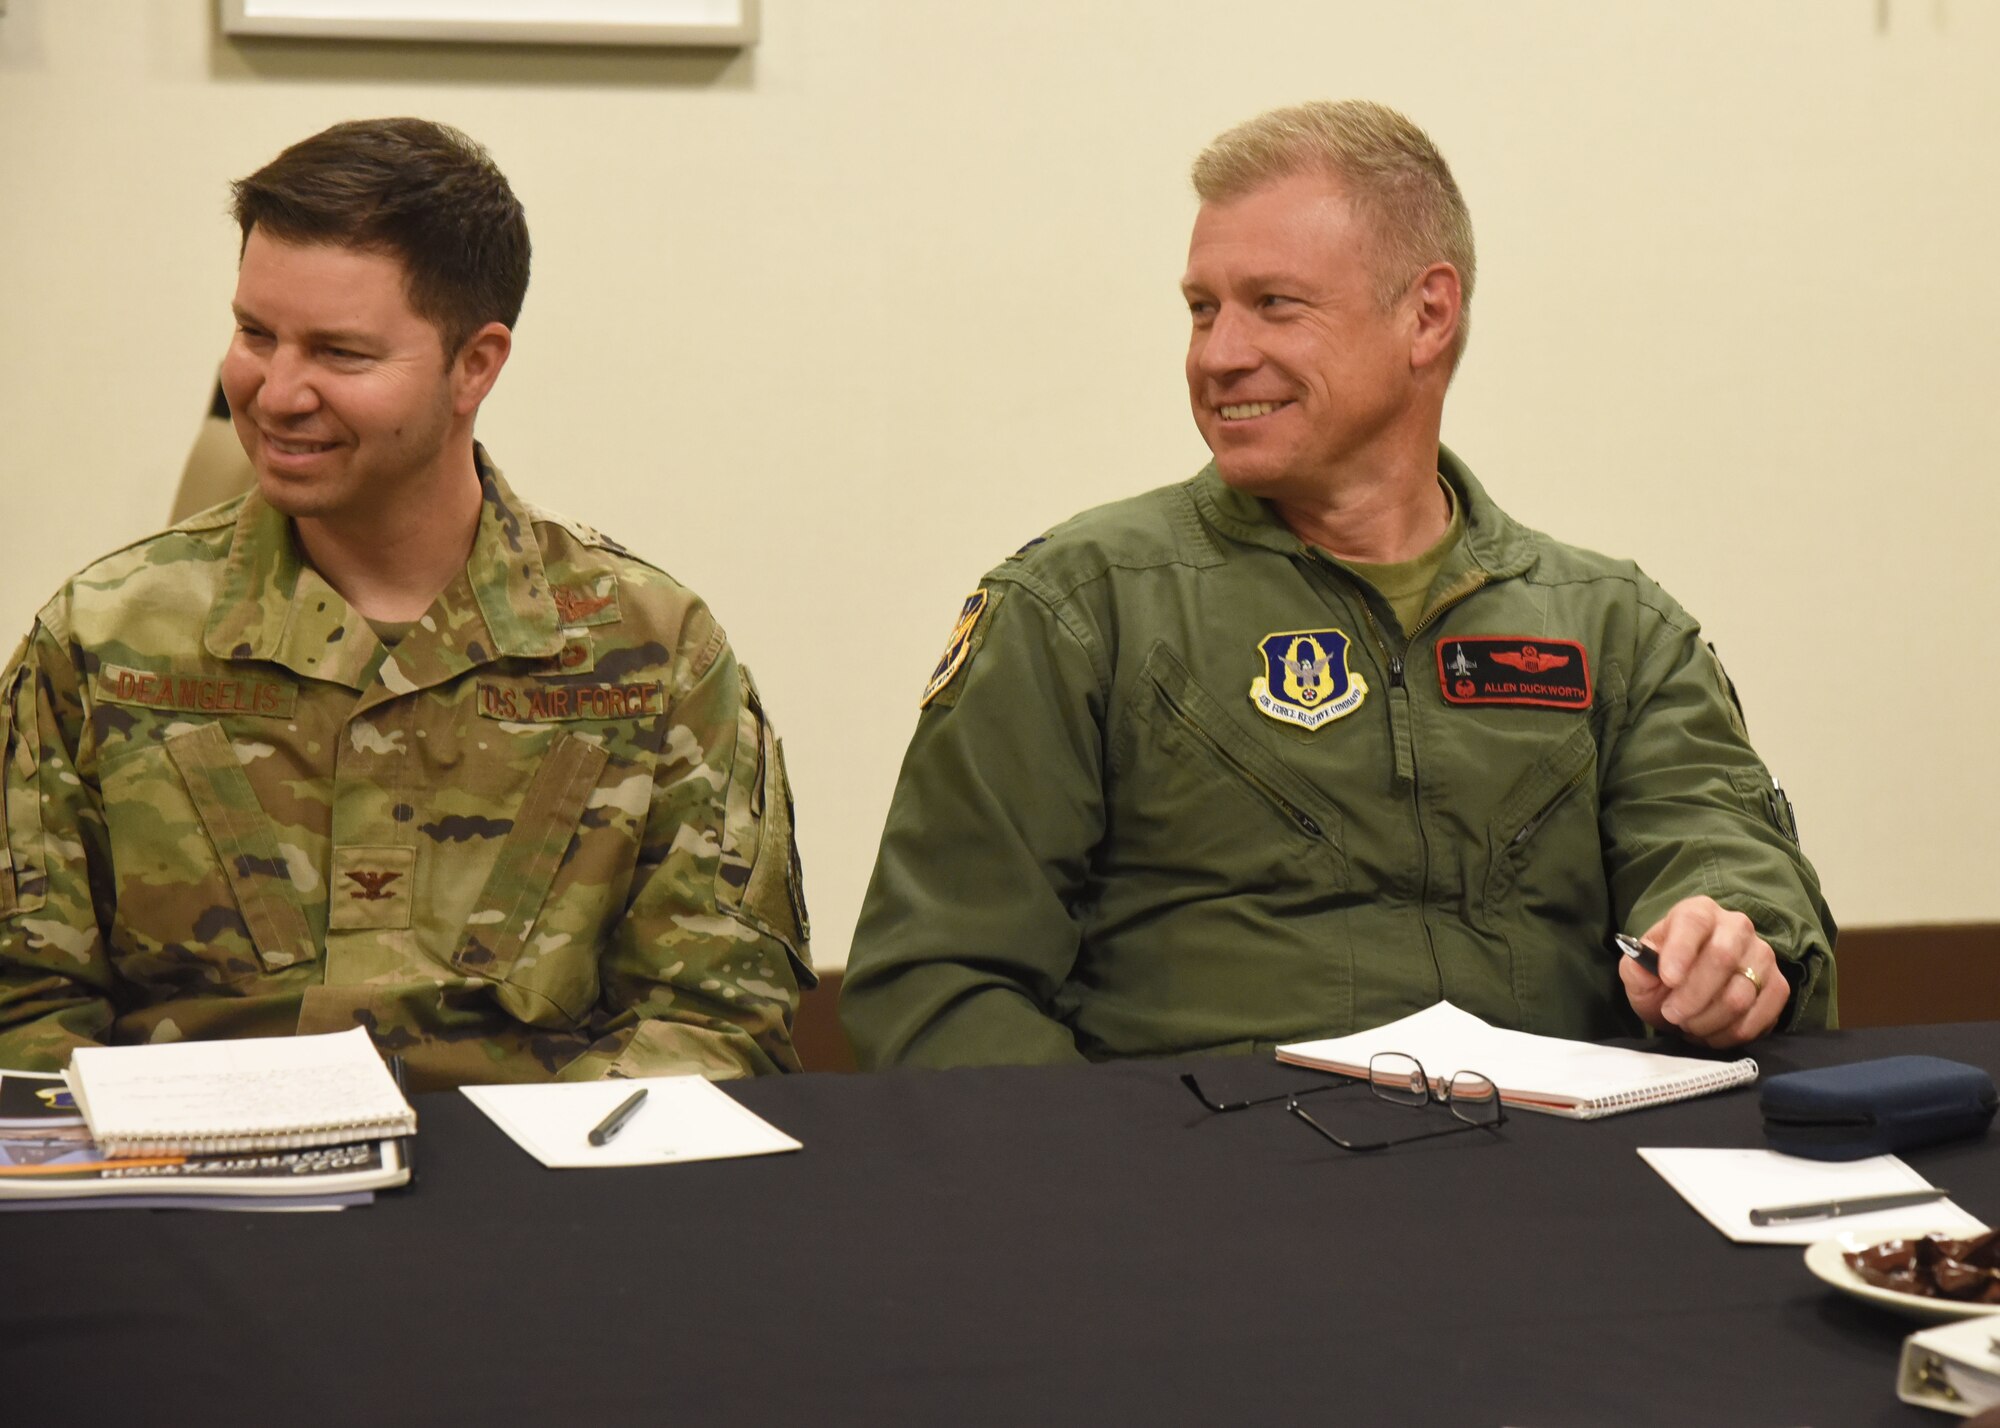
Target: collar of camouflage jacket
point(1493, 541)
point(273, 605)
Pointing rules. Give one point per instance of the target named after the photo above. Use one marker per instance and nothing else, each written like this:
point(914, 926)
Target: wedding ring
point(1755, 980)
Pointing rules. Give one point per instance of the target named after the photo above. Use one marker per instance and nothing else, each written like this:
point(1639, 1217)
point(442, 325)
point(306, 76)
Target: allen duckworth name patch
point(1514, 669)
point(1306, 680)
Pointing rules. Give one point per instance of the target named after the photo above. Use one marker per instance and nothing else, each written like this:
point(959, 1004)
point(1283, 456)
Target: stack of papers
point(48, 1161)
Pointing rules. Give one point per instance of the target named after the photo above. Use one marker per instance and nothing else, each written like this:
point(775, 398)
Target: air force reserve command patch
point(1306, 680)
point(1514, 669)
point(958, 649)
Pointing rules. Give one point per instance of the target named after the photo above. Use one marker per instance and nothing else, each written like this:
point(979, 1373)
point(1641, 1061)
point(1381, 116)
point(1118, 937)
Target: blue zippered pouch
point(1875, 1107)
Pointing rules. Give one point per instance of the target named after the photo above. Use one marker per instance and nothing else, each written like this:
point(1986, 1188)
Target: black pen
point(1638, 951)
point(615, 1122)
point(407, 1145)
point(1829, 1209)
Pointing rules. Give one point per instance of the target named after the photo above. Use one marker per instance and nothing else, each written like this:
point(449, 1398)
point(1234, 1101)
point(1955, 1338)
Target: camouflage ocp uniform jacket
point(547, 835)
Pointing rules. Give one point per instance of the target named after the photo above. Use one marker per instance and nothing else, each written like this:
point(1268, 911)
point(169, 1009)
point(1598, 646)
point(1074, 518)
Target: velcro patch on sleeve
point(960, 648)
point(195, 693)
point(1514, 669)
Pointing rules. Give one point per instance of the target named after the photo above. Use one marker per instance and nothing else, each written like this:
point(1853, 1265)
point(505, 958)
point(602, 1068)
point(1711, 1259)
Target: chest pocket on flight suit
point(1206, 756)
point(204, 895)
point(1546, 861)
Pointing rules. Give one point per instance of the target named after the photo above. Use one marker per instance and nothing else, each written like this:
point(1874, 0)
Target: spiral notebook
point(217, 1097)
point(1534, 1073)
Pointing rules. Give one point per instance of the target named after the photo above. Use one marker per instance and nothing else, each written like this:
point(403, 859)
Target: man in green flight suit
point(379, 743)
point(1321, 736)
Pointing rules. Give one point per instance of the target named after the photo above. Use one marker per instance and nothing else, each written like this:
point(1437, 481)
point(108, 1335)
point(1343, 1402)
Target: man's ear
point(477, 366)
point(1435, 297)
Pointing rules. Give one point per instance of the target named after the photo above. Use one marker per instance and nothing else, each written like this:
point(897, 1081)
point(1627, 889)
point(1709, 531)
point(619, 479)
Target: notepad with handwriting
point(213, 1097)
point(1534, 1073)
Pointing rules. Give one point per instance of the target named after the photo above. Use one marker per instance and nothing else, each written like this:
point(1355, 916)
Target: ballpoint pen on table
point(1857, 1205)
point(615, 1122)
point(407, 1145)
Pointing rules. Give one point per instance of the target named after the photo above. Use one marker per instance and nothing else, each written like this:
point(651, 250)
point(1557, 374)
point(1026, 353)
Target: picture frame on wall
point(719, 23)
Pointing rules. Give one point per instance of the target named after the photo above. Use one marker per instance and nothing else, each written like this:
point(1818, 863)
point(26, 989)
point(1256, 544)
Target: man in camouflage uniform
point(380, 743)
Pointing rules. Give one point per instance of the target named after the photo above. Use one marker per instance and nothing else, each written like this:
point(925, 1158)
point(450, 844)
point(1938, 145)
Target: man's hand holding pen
point(1718, 982)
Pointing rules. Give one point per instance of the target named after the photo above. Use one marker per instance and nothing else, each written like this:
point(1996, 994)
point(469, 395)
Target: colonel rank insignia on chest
point(1306, 680)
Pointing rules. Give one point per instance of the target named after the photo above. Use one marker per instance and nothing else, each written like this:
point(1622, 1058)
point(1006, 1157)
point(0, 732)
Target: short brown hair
point(419, 191)
point(1390, 167)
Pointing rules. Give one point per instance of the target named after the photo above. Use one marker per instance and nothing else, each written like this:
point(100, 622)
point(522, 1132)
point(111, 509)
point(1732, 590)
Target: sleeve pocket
point(760, 877)
point(23, 871)
point(1763, 798)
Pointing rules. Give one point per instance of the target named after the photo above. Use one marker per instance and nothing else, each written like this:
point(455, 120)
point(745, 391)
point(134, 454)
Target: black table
point(1006, 1247)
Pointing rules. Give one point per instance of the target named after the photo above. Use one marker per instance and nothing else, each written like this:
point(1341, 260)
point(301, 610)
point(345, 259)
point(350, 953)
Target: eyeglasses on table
point(1471, 1098)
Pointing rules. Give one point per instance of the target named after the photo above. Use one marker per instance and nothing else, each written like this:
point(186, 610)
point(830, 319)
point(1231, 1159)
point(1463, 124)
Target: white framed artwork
point(543, 22)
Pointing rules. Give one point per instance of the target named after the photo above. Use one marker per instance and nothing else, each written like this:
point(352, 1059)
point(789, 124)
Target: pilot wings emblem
point(575, 603)
point(1527, 659)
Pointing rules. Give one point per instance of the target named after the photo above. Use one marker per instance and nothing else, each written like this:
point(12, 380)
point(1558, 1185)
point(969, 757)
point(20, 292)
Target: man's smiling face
point(1295, 370)
point(340, 392)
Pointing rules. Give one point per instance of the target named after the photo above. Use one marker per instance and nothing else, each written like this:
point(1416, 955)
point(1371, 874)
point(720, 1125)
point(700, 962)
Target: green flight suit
point(546, 835)
point(1102, 846)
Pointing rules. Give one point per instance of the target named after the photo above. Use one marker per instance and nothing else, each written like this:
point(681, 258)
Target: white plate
point(1824, 1259)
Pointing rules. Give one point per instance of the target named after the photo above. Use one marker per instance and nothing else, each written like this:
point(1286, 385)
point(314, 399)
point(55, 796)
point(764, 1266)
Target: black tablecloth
point(971, 1247)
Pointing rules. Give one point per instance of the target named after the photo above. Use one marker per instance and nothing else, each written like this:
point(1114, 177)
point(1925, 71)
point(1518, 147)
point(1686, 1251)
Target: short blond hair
point(1389, 166)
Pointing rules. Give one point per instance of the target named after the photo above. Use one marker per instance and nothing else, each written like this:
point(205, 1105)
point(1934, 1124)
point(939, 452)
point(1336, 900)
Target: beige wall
point(829, 327)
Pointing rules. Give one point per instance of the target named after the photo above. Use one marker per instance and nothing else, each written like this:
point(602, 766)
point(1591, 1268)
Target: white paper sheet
point(683, 1118)
point(1726, 1185)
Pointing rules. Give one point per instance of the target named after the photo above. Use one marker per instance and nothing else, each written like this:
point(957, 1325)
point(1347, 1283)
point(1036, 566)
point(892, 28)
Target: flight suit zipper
point(1305, 822)
point(1402, 732)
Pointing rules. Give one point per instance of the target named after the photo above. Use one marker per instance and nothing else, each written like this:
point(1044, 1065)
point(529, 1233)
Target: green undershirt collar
point(1406, 584)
